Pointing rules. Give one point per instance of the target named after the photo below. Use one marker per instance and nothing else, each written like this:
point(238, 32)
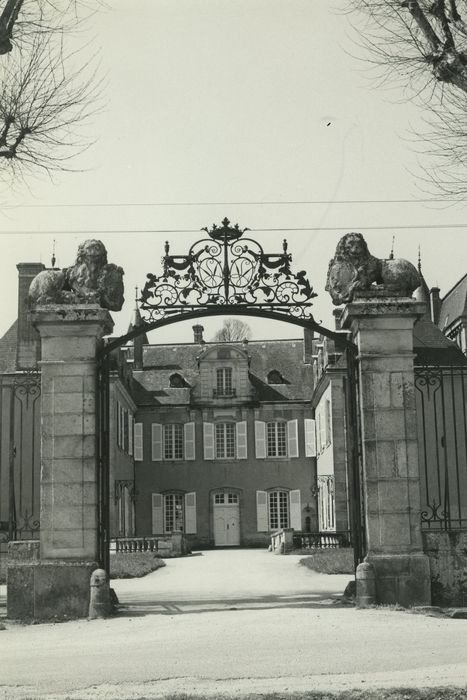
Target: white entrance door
point(226, 520)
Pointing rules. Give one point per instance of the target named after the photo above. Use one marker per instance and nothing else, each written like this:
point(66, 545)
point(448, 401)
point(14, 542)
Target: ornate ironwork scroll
point(227, 270)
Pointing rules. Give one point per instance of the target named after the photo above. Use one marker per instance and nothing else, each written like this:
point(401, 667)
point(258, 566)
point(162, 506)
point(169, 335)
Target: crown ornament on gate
point(228, 270)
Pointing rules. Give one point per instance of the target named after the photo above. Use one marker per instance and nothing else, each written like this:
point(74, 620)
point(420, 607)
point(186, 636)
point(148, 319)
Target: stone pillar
point(69, 506)
point(382, 327)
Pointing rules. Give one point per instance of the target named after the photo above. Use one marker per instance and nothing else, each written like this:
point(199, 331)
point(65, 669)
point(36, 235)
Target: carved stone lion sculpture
point(91, 280)
point(354, 268)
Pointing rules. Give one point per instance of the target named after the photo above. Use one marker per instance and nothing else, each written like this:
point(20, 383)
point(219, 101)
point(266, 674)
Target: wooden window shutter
point(260, 440)
point(156, 442)
point(190, 513)
point(322, 429)
point(327, 426)
point(295, 510)
point(130, 434)
point(262, 511)
point(125, 430)
point(157, 513)
point(138, 442)
point(310, 437)
point(242, 447)
point(189, 432)
point(208, 440)
point(292, 438)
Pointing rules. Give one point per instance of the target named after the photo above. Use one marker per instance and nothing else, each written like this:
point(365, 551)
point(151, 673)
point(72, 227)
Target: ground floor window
point(124, 492)
point(173, 512)
point(326, 504)
point(278, 510)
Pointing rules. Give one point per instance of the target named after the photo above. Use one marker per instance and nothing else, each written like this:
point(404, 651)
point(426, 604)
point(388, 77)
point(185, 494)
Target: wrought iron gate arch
point(174, 297)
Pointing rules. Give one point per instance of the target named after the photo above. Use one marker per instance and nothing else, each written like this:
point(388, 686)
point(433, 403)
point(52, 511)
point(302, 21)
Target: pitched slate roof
point(8, 349)
point(454, 304)
point(431, 347)
point(284, 356)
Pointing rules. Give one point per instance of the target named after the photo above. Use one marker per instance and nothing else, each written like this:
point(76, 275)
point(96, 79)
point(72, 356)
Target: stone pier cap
point(380, 303)
point(45, 318)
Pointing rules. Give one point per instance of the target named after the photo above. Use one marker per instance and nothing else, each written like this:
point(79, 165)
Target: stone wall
point(447, 552)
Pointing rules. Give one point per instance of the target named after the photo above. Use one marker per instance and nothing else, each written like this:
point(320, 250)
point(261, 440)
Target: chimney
point(198, 334)
point(308, 335)
point(435, 303)
point(28, 345)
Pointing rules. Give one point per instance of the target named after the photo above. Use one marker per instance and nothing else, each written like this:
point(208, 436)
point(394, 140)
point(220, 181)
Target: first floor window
point(173, 441)
point(278, 510)
point(225, 440)
point(173, 512)
point(277, 439)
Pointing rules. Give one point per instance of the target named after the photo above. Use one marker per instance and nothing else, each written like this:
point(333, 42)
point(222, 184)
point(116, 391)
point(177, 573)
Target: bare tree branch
point(422, 44)
point(46, 95)
point(233, 330)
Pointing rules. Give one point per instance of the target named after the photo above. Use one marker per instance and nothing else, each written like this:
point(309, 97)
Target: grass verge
point(134, 564)
point(447, 693)
point(330, 561)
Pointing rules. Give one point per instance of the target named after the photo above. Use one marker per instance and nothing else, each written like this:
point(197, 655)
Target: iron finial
point(167, 247)
point(54, 259)
point(419, 259)
point(285, 245)
point(391, 254)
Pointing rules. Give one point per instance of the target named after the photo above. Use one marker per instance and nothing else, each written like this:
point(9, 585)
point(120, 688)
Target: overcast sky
point(258, 110)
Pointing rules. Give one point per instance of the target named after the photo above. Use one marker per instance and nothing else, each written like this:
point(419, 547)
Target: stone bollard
point(366, 585)
point(99, 602)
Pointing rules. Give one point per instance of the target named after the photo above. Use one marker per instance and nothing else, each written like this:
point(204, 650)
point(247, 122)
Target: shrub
point(330, 561)
point(134, 564)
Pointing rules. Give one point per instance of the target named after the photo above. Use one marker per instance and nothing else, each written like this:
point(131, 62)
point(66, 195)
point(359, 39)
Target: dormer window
point(224, 382)
point(275, 377)
point(176, 381)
